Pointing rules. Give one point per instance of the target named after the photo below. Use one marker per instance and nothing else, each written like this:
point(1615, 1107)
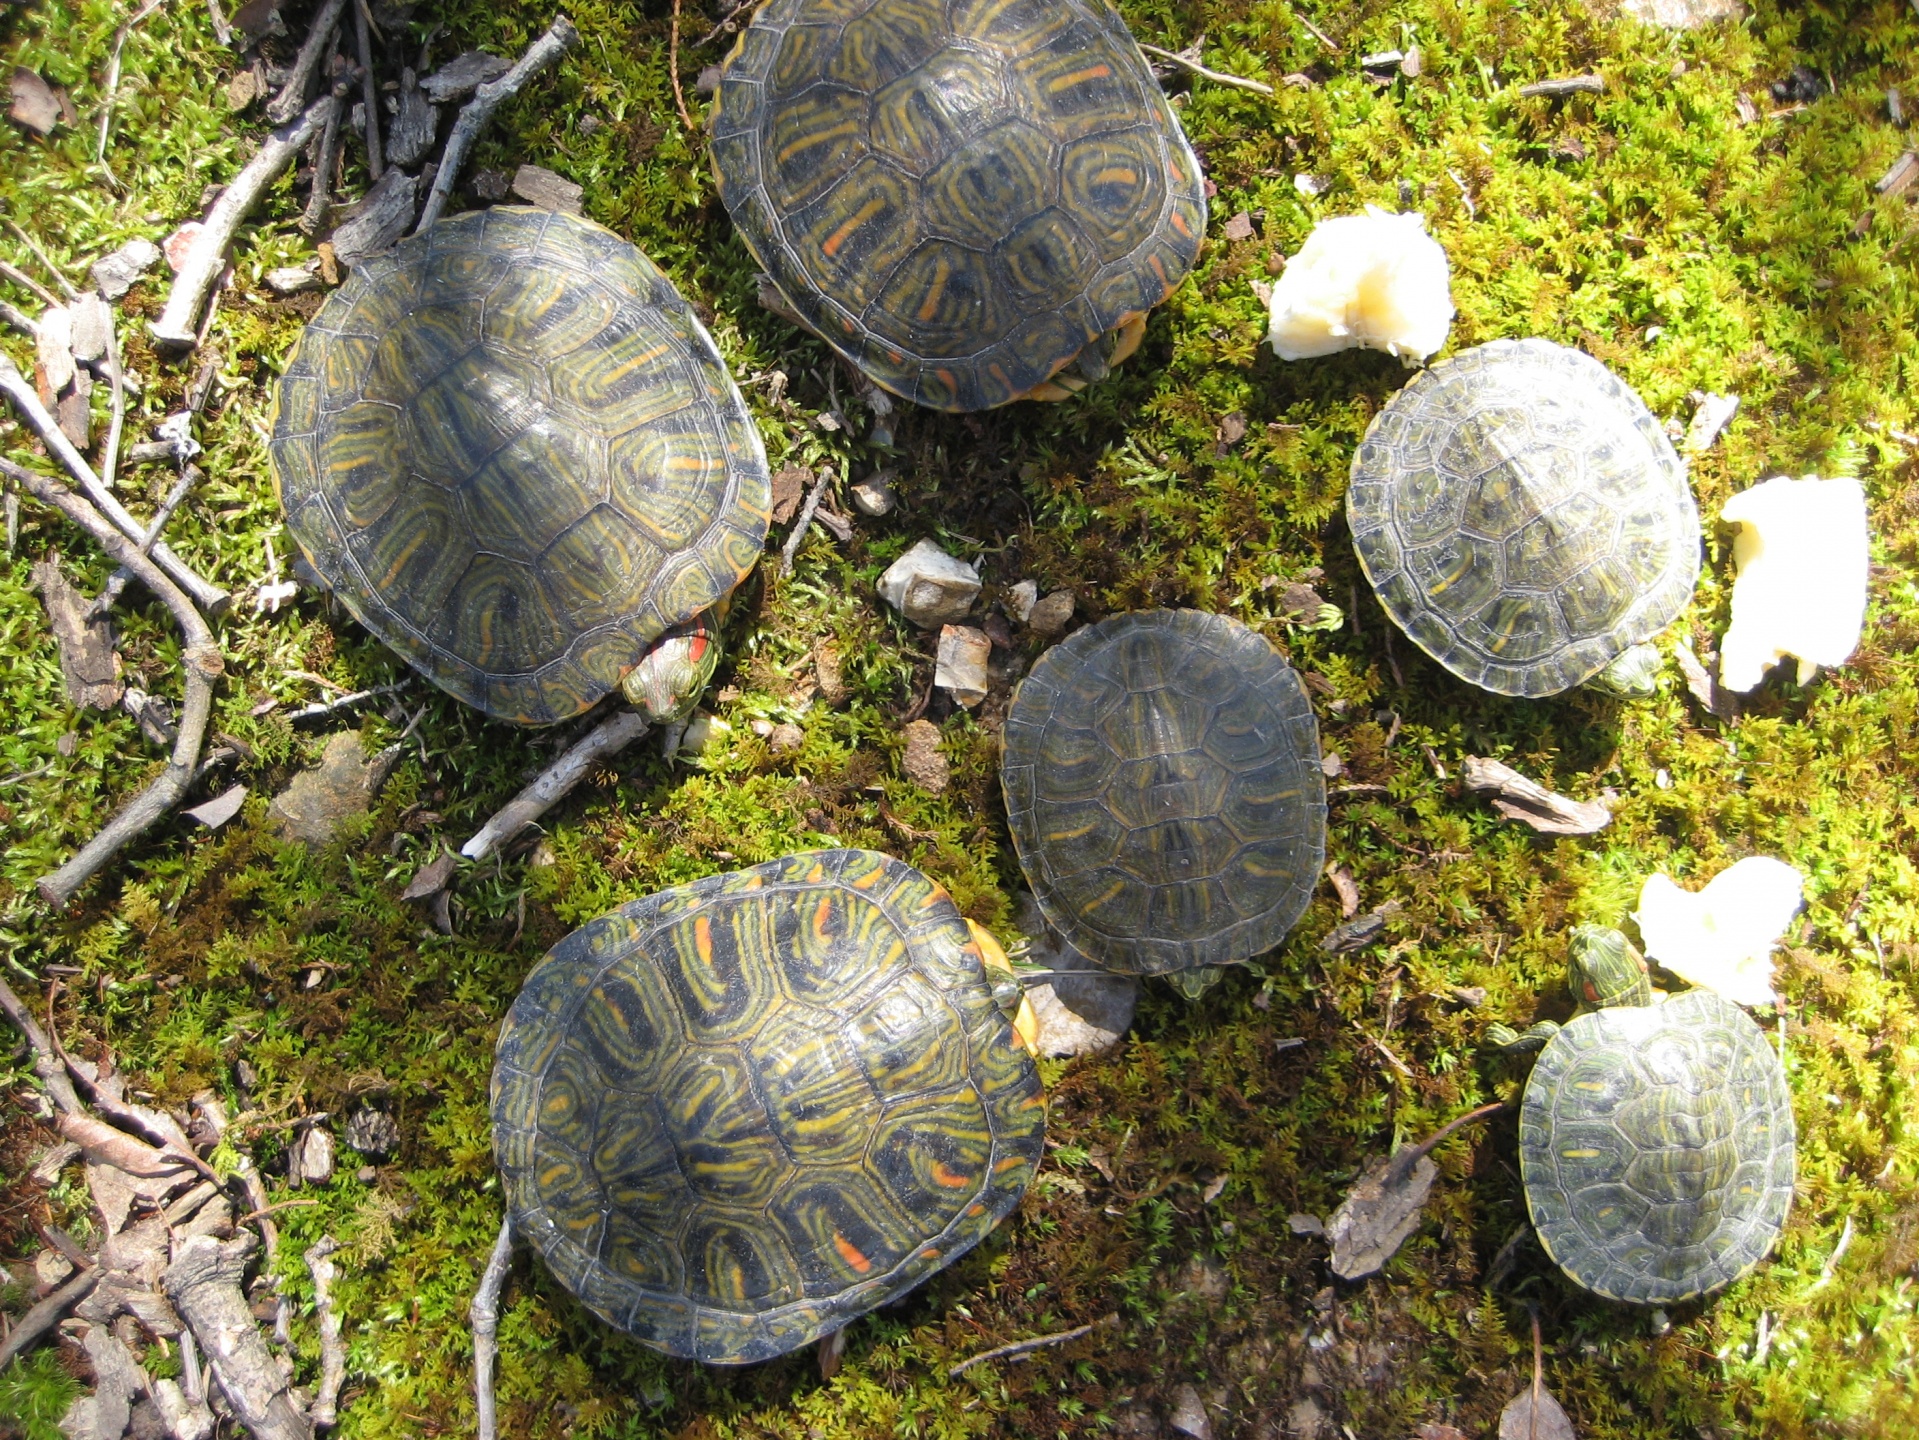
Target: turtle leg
point(1196, 982)
point(1508, 1041)
point(1633, 673)
point(1095, 362)
point(670, 677)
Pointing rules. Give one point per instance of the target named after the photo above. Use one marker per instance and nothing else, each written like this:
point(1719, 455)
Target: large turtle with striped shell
point(973, 201)
point(1525, 520)
point(516, 456)
point(1164, 791)
point(1656, 1141)
point(739, 1113)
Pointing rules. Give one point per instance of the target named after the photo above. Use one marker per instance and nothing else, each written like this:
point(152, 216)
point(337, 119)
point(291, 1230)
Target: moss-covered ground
point(1685, 227)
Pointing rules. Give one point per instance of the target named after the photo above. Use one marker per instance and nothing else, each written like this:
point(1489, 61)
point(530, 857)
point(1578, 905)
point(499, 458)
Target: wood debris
point(377, 221)
point(1517, 798)
point(1898, 179)
point(204, 1284)
point(89, 664)
point(460, 77)
point(1533, 1414)
point(539, 186)
point(415, 126)
point(1383, 1206)
point(1358, 933)
point(1560, 89)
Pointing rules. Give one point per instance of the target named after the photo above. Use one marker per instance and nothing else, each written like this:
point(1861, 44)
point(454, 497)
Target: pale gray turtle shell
point(1658, 1148)
point(1523, 517)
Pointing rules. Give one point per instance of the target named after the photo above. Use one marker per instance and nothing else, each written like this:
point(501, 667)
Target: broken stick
point(559, 37)
point(485, 1316)
point(204, 1284)
point(325, 1410)
point(1218, 77)
point(611, 735)
point(47, 1314)
point(1517, 798)
point(204, 665)
point(293, 95)
point(206, 595)
point(175, 329)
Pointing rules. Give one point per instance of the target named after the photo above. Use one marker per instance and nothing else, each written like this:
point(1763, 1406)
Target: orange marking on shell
point(1080, 77)
point(1012, 1162)
point(1116, 175)
point(816, 874)
point(929, 1253)
point(1160, 270)
point(858, 218)
point(976, 1210)
point(867, 881)
point(951, 1179)
point(1178, 222)
point(753, 882)
point(850, 1253)
point(703, 939)
point(822, 912)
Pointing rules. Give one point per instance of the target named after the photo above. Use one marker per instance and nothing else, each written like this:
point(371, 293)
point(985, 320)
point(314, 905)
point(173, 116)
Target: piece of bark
point(1560, 89)
point(325, 1408)
point(36, 104)
point(73, 411)
point(460, 77)
point(1899, 178)
point(53, 347)
point(1347, 889)
point(221, 808)
point(1517, 798)
point(116, 1381)
point(294, 93)
point(89, 665)
point(539, 186)
point(204, 1284)
point(177, 327)
point(922, 762)
point(45, 1315)
point(1383, 1206)
point(92, 328)
point(415, 127)
point(789, 488)
point(379, 220)
point(1359, 932)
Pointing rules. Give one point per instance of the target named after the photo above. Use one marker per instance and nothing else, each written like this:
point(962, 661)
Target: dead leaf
point(256, 17)
point(36, 104)
point(221, 808)
point(1232, 430)
point(1520, 1421)
point(1239, 227)
point(1377, 1215)
point(243, 89)
point(1517, 798)
point(88, 662)
point(53, 347)
point(789, 485)
point(432, 878)
point(1347, 889)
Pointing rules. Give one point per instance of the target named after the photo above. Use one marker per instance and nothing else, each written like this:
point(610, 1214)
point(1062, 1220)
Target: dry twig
point(485, 1316)
point(804, 521)
point(1517, 798)
point(673, 69)
point(112, 85)
point(204, 665)
point(207, 256)
point(47, 1314)
point(1218, 77)
point(292, 98)
point(370, 90)
point(205, 594)
point(203, 1282)
point(611, 735)
point(559, 37)
point(325, 1409)
point(1024, 1347)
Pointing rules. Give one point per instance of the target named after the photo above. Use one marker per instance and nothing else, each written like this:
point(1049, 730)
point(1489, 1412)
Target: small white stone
point(1714, 414)
point(292, 280)
point(1376, 281)
point(1051, 615)
point(1801, 554)
point(763, 728)
point(1023, 597)
point(874, 495)
point(1722, 937)
point(113, 275)
point(961, 667)
point(1189, 1415)
point(1683, 14)
point(785, 737)
point(930, 587)
point(701, 731)
point(92, 326)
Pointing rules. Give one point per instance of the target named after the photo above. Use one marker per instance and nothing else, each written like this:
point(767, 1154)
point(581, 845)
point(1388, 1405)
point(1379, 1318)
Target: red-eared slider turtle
point(1656, 1142)
point(1523, 517)
point(1164, 791)
point(518, 459)
point(973, 201)
point(736, 1114)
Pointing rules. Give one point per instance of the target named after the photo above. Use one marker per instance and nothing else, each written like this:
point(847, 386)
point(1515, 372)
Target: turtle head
point(671, 676)
point(1633, 673)
point(1603, 969)
point(1197, 981)
point(1008, 993)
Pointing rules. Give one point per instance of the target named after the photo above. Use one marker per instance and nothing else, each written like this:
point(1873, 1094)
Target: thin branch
point(1408, 1156)
point(46, 1064)
point(33, 248)
point(611, 735)
point(16, 385)
point(112, 85)
point(293, 95)
point(1560, 89)
point(805, 521)
point(47, 1314)
point(559, 37)
point(485, 1316)
point(726, 24)
point(203, 1282)
point(370, 90)
point(27, 282)
point(117, 418)
point(326, 157)
point(204, 665)
point(325, 1407)
point(20, 321)
point(673, 69)
point(345, 702)
point(1023, 1347)
point(1318, 34)
point(206, 257)
point(1238, 82)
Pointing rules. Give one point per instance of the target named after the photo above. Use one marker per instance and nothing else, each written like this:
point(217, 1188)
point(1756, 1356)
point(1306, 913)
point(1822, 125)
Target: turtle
point(737, 1114)
point(1525, 520)
point(1656, 1141)
point(1163, 787)
point(972, 201)
point(516, 456)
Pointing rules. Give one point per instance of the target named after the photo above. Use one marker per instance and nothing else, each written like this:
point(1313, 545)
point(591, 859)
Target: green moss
point(1769, 268)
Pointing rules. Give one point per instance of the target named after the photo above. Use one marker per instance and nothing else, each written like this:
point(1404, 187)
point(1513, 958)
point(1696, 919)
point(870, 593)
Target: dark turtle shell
point(1164, 791)
point(1523, 517)
point(957, 195)
point(1657, 1147)
point(736, 1114)
point(518, 459)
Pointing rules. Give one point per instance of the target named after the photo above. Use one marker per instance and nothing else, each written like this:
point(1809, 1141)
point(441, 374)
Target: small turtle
point(973, 202)
point(1656, 1142)
point(1164, 791)
point(1525, 520)
point(515, 455)
point(739, 1113)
